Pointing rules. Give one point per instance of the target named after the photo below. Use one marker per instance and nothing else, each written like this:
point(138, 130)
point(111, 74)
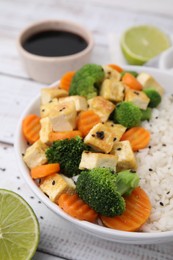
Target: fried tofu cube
point(100, 138)
point(79, 101)
point(46, 129)
point(112, 90)
point(138, 98)
point(46, 109)
point(56, 184)
point(116, 129)
point(63, 117)
point(47, 94)
point(148, 81)
point(35, 154)
point(126, 157)
point(111, 73)
point(90, 160)
point(102, 107)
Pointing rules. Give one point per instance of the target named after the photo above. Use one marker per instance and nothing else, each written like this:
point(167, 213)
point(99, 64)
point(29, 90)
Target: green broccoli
point(154, 97)
point(68, 153)
point(87, 80)
point(102, 189)
point(127, 114)
point(146, 114)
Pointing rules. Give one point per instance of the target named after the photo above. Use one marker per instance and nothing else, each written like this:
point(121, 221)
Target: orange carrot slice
point(31, 128)
point(66, 80)
point(138, 137)
point(54, 136)
point(76, 207)
point(116, 67)
point(86, 121)
point(138, 208)
point(130, 81)
point(44, 170)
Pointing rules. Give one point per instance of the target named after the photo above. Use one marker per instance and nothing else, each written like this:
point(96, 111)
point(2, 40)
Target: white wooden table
point(103, 18)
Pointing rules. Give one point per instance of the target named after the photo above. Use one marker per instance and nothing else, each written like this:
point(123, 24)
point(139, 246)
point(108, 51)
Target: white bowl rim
point(87, 226)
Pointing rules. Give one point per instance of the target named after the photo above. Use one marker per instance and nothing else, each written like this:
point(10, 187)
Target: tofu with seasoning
point(47, 94)
point(79, 101)
point(111, 73)
point(116, 129)
point(56, 184)
point(46, 109)
point(100, 138)
point(126, 157)
point(63, 117)
point(90, 160)
point(148, 81)
point(138, 98)
point(46, 129)
point(112, 90)
point(35, 154)
point(102, 107)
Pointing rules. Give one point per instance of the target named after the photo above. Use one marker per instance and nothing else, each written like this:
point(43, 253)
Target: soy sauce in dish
point(54, 43)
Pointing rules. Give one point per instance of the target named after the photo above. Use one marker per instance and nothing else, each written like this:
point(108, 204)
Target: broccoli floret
point(87, 80)
point(146, 114)
point(127, 114)
point(68, 153)
point(127, 181)
point(102, 189)
point(154, 97)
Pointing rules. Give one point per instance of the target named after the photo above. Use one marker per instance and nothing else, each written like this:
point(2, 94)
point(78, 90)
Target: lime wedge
point(142, 43)
point(19, 228)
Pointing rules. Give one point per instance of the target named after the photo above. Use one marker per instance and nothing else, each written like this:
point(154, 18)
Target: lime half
point(142, 43)
point(19, 228)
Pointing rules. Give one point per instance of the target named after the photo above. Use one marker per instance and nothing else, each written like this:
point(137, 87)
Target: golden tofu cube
point(35, 154)
point(116, 129)
point(46, 129)
point(102, 107)
point(79, 101)
point(112, 90)
point(138, 98)
point(47, 94)
point(100, 138)
point(46, 109)
point(111, 73)
point(148, 81)
point(56, 184)
point(90, 160)
point(126, 157)
point(63, 117)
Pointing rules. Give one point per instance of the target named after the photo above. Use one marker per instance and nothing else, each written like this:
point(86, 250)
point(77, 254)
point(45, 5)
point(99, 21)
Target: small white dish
point(20, 145)
point(166, 60)
point(49, 69)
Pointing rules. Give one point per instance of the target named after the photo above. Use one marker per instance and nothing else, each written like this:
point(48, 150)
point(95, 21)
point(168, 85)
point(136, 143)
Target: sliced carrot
point(31, 128)
point(86, 121)
point(130, 81)
point(138, 137)
point(116, 67)
point(66, 80)
point(44, 170)
point(76, 207)
point(138, 208)
point(54, 136)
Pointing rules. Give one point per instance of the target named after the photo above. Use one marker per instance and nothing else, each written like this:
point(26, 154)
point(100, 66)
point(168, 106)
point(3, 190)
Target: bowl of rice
point(155, 169)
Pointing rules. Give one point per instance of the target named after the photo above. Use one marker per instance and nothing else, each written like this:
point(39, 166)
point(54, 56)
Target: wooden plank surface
point(103, 18)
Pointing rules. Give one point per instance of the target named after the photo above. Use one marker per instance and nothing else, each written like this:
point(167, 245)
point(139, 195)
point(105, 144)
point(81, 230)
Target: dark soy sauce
point(54, 43)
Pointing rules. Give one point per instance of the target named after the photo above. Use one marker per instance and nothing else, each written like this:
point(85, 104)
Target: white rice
point(155, 167)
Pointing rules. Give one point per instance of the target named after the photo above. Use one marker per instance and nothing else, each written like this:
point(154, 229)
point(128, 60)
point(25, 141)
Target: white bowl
point(109, 234)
